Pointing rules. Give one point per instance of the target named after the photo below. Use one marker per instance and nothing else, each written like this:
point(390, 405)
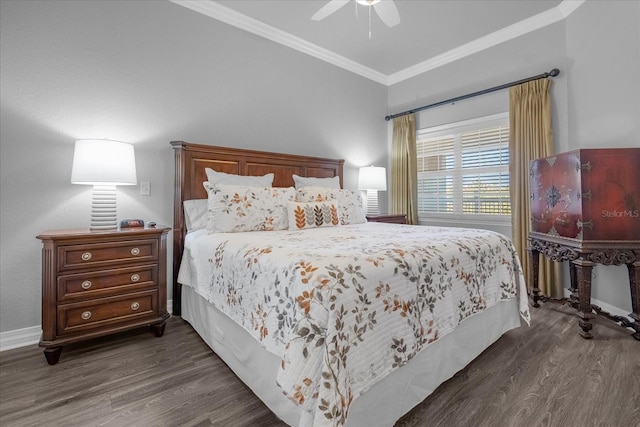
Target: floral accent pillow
point(234, 208)
point(350, 204)
point(313, 215)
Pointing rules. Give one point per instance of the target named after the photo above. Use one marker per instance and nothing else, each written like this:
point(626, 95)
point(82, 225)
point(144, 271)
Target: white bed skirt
point(387, 400)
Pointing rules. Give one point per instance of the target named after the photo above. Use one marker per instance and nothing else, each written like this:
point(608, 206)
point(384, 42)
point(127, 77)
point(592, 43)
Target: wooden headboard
point(191, 161)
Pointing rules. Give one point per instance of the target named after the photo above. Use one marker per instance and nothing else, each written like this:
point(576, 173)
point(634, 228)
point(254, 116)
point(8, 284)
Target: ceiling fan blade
point(388, 12)
point(328, 9)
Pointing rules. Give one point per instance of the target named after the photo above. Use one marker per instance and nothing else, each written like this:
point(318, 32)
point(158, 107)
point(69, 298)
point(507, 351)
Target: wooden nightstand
point(390, 218)
point(96, 283)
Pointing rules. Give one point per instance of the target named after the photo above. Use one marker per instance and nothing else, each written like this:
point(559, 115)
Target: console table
point(583, 256)
point(585, 209)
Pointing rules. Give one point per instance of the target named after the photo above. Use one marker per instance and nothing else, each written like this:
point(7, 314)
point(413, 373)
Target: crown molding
point(513, 31)
point(568, 6)
point(236, 19)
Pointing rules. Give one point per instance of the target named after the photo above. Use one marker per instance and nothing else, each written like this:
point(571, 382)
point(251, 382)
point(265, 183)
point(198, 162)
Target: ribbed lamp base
point(372, 202)
point(103, 207)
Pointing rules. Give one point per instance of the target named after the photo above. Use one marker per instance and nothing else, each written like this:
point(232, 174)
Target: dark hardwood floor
point(543, 375)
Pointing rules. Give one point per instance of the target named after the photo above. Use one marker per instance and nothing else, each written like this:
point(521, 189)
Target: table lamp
point(372, 179)
point(103, 164)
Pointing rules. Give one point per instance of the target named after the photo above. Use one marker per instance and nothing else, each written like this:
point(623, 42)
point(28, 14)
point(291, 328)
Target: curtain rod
point(551, 73)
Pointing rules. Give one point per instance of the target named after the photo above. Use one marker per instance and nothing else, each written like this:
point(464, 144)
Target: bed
point(343, 322)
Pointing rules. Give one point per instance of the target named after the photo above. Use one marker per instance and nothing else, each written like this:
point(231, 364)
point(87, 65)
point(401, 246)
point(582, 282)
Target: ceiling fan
point(386, 10)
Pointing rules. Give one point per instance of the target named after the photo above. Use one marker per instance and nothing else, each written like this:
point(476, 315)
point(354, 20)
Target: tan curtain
point(530, 137)
point(404, 175)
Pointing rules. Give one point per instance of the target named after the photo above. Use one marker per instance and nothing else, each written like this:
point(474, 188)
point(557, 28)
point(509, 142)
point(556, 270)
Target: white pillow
point(234, 208)
point(227, 178)
point(301, 182)
point(195, 214)
point(350, 204)
point(313, 215)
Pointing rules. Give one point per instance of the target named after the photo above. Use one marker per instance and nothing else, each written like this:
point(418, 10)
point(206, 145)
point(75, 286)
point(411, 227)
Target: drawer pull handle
point(86, 256)
point(86, 284)
point(86, 315)
point(135, 277)
point(135, 251)
point(135, 306)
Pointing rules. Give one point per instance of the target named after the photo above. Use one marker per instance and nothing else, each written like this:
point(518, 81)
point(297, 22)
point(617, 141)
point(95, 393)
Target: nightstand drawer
point(103, 283)
point(107, 311)
point(93, 255)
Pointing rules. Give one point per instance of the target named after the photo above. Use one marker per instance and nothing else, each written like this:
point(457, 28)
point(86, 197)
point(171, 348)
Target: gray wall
point(148, 72)
point(596, 98)
point(603, 55)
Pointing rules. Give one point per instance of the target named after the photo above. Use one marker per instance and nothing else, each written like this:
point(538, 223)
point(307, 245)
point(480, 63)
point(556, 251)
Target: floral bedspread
point(346, 305)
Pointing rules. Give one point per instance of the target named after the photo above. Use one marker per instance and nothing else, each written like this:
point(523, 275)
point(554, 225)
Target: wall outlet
point(145, 188)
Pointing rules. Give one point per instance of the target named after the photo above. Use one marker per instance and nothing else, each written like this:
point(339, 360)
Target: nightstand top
point(78, 232)
point(386, 217)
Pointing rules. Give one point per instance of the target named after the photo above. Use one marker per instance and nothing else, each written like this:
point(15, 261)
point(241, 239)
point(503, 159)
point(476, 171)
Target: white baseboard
point(610, 308)
point(20, 338)
point(30, 336)
point(603, 305)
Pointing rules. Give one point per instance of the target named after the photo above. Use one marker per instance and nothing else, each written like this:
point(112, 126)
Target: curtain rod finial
point(554, 72)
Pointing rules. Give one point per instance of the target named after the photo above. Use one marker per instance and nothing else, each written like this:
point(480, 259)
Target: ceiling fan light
point(368, 2)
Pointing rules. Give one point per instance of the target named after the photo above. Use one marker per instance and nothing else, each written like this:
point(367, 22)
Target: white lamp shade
point(372, 178)
point(103, 162)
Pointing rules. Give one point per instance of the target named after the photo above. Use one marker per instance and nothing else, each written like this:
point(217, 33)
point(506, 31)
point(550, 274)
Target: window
point(463, 169)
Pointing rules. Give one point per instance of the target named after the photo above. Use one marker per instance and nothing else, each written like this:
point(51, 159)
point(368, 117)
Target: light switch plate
point(145, 188)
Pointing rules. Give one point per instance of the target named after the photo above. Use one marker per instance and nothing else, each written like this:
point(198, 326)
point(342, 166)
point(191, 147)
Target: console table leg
point(583, 273)
point(634, 283)
point(573, 297)
point(534, 256)
point(52, 354)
